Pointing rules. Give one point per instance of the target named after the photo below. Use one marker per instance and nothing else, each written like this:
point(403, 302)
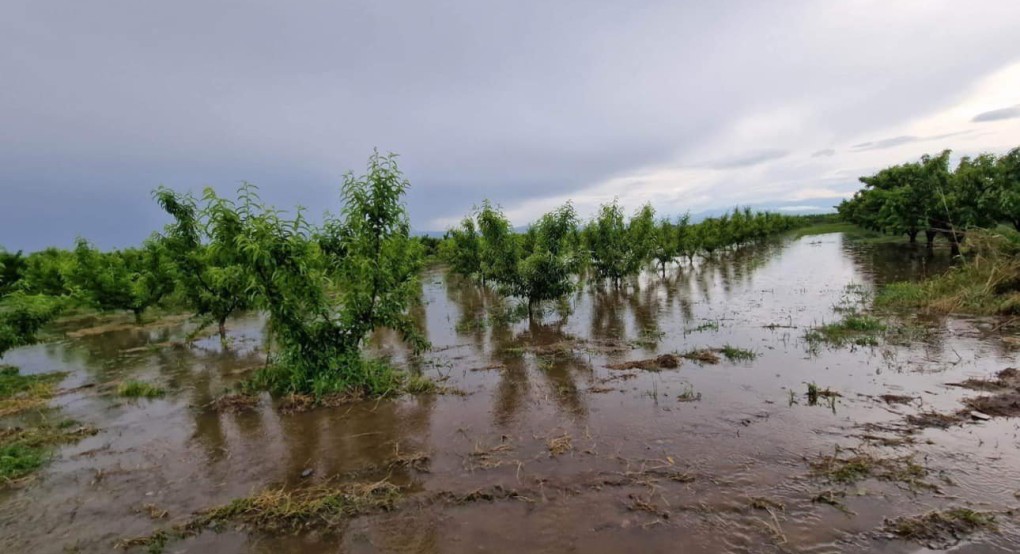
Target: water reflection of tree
point(886, 263)
point(558, 359)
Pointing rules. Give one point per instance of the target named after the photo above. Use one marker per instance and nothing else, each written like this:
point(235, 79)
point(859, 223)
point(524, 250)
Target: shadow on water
point(542, 413)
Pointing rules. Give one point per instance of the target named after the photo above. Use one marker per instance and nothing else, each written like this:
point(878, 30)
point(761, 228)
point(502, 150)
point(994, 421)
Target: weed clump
point(734, 354)
point(940, 529)
point(24, 450)
point(282, 511)
point(987, 283)
point(24, 392)
point(858, 466)
point(140, 389)
point(855, 328)
point(688, 394)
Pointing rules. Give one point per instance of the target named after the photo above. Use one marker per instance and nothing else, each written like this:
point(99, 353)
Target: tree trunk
point(913, 236)
point(138, 315)
point(930, 236)
point(222, 326)
point(955, 238)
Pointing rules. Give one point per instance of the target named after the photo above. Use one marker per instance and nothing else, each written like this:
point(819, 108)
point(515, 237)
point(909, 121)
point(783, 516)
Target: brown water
point(527, 383)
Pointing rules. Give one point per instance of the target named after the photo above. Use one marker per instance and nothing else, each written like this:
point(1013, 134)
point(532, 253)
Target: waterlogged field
point(750, 403)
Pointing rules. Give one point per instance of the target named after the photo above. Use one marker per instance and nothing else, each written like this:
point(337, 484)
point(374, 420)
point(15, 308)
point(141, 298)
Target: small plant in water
point(687, 394)
point(734, 354)
point(139, 389)
point(814, 392)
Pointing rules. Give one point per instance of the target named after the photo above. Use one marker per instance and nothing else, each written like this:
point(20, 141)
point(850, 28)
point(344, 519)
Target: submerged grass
point(734, 354)
point(139, 389)
point(24, 450)
point(986, 283)
point(855, 328)
point(280, 510)
point(353, 378)
point(857, 465)
point(940, 529)
point(25, 392)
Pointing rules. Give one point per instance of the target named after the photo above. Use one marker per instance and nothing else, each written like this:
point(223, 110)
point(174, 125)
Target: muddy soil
point(581, 431)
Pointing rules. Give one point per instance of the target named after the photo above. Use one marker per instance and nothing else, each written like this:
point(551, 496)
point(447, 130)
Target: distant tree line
point(931, 197)
point(558, 251)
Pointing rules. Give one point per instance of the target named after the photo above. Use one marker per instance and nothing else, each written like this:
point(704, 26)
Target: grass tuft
point(940, 529)
point(24, 450)
point(854, 328)
point(25, 392)
point(139, 389)
point(283, 511)
point(734, 354)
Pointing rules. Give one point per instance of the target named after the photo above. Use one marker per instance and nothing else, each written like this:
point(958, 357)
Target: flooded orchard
point(692, 412)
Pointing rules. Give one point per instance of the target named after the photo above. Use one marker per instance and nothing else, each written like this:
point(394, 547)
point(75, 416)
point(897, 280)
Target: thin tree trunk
point(222, 327)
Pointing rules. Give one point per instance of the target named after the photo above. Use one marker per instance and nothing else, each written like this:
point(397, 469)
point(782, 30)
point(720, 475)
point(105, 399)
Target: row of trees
point(325, 288)
point(931, 196)
point(548, 260)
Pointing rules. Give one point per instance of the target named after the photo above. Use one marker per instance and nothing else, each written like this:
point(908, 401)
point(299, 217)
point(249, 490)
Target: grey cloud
point(746, 159)
point(997, 115)
point(901, 140)
point(885, 143)
point(101, 102)
point(826, 153)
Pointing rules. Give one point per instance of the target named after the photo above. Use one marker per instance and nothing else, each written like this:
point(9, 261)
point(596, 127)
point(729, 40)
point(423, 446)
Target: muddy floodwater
point(537, 444)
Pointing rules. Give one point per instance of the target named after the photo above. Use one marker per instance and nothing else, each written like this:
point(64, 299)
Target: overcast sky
point(689, 105)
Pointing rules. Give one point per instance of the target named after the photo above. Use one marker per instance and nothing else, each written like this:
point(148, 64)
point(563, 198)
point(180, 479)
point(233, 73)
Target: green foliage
point(22, 316)
point(929, 196)
point(139, 389)
point(24, 450)
point(463, 249)
point(499, 249)
point(546, 273)
point(988, 283)
point(542, 263)
point(608, 237)
point(203, 243)
point(326, 289)
point(131, 279)
point(49, 272)
point(13, 383)
point(12, 269)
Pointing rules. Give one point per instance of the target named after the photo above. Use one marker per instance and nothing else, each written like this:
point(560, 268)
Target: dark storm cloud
point(512, 101)
point(997, 115)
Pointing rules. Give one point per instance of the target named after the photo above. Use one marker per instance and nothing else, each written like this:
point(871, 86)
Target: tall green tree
point(499, 248)
point(324, 302)
point(546, 272)
point(203, 243)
